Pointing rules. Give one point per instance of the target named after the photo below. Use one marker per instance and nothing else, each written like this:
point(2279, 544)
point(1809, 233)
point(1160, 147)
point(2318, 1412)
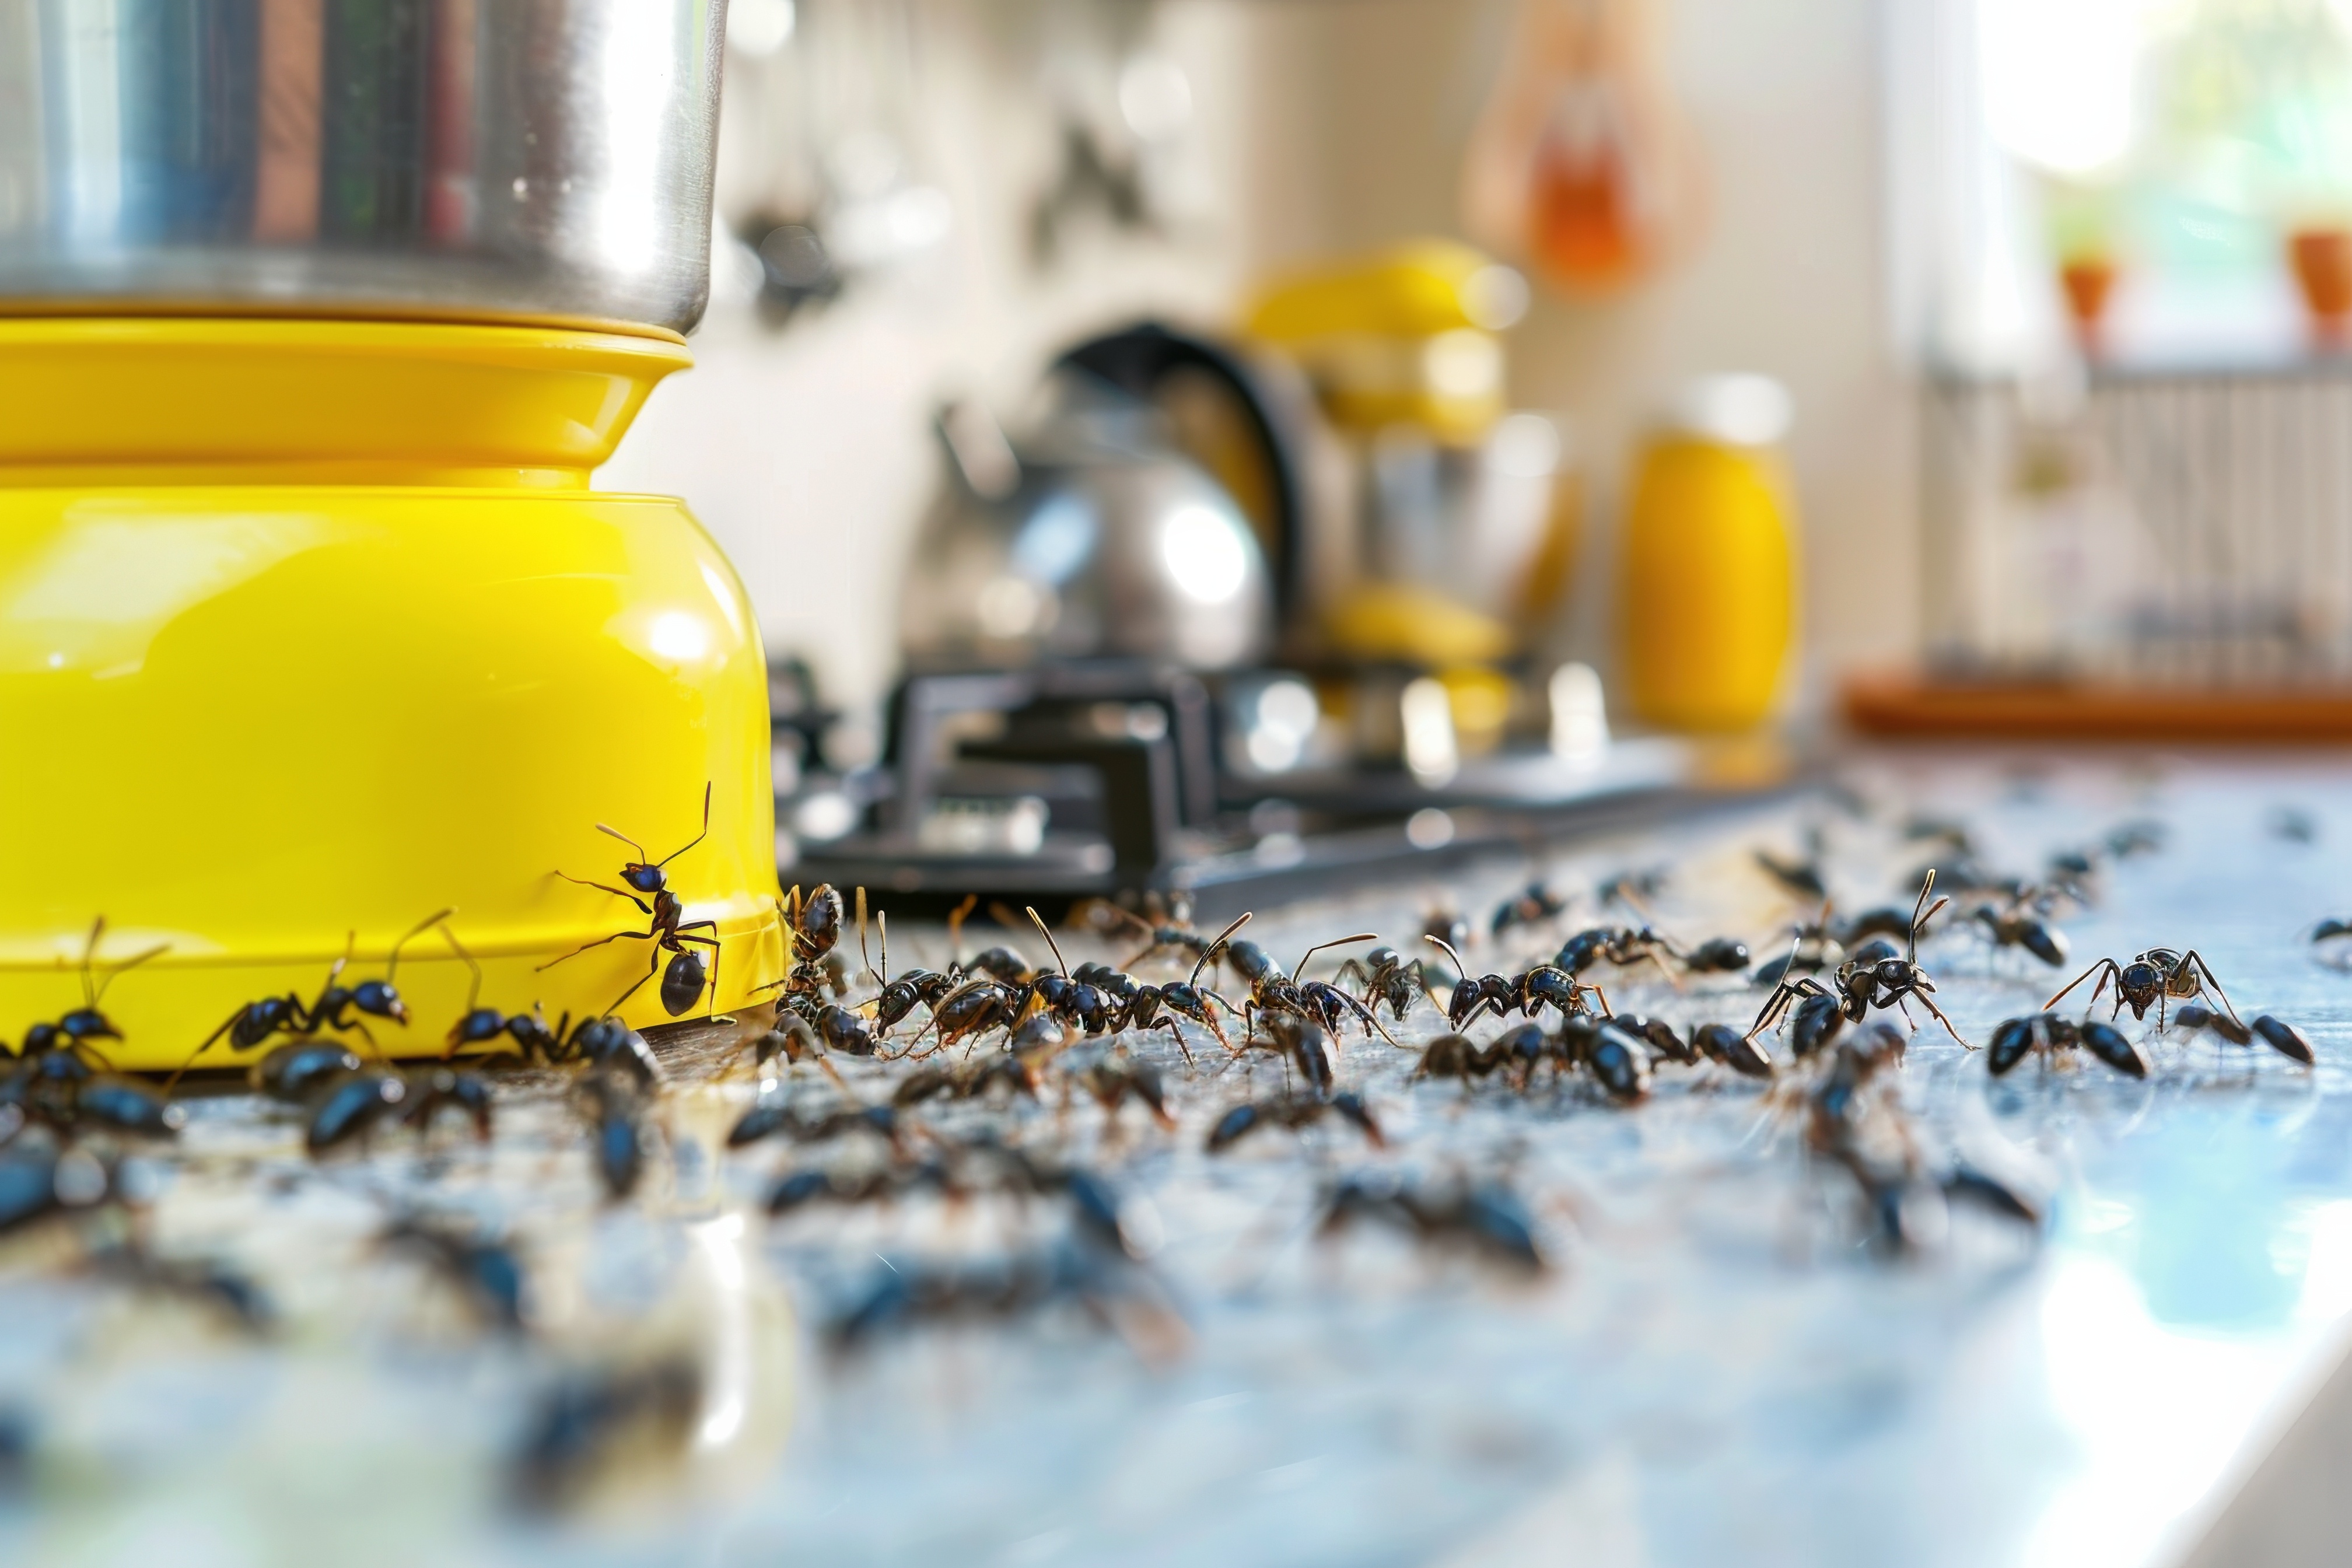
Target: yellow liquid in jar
point(1709, 586)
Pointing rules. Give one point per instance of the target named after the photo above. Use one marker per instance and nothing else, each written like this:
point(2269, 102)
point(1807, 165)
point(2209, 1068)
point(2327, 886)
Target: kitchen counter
point(1715, 1368)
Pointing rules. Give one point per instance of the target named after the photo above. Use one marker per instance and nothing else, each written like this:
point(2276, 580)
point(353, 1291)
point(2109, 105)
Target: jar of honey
point(1708, 591)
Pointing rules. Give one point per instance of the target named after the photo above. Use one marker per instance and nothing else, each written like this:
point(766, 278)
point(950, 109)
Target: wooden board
point(1913, 706)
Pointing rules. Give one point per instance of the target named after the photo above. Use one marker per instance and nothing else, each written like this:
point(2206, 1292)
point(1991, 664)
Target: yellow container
point(1709, 605)
point(308, 629)
point(1408, 335)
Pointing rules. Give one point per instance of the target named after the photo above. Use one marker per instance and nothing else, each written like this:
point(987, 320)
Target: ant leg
point(1929, 1002)
point(2103, 968)
point(1370, 1018)
point(200, 1050)
point(633, 990)
point(616, 893)
point(2193, 956)
point(1169, 1021)
point(1784, 997)
point(600, 942)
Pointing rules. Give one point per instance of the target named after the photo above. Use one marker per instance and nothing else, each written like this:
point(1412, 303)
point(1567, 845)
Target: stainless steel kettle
point(1093, 534)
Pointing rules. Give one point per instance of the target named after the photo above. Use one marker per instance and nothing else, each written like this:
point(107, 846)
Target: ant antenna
point(697, 838)
point(1049, 941)
point(1210, 951)
point(1919, 920)
point(474, 991)
point(955, 930)
point(88, 955)
point(861, 933)
point(1459, 967)
point(92, 997)
point(392, 964)
point(608, 827)
point(1335, 942)
point(882, 920)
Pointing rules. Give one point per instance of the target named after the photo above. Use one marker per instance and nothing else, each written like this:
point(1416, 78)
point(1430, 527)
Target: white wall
point(1324, 127)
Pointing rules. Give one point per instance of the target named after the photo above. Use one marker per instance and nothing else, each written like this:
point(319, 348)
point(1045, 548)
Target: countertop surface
point(1716, 1366)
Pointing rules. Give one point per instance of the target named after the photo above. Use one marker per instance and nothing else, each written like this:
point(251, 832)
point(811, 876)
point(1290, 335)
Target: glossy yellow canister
point(309, 629)
point(1708, 602)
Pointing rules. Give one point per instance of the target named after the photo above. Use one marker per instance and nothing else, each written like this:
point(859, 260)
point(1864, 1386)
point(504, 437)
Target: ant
point(2276, 1033)
point(64, 1080)
point(253, 1024)
point(73, 1033)
point(1387, 977)
point(1531, 905)
point(1274, 992)
point(1292, 1110)
point(1175, 934)
point(1617, 1057)
point(479, 1026)
point(682, 986)
point(1112, 1080)
point(1546, 984)
point(1802, 878)
point(2153, 978)
point(2020, 924)
point(1627, 946)
point(1158, 1006)
point(1458, 1056)
point(2047, 1034)
point(1859, 985)
point(912, 988)
point(1488, 1219)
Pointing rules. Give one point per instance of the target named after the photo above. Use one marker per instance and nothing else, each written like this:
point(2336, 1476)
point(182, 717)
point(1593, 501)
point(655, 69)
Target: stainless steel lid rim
point(528, 157)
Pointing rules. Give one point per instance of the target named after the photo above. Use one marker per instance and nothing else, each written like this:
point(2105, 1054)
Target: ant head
point(379, 1000)
point(1214, 948)
point(88, 1024)
point(644, 877)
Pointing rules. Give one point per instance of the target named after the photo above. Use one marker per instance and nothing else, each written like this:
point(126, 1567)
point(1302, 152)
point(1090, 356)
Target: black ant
point(2020, 924)
point(1531, 905)
point(1802, 878)
point(1489, 1220)
point(1884, 981)
point(479, 1025)
point(2154, 978)
point(1458, 1056)
point(1272, 992)
point(1112, 1080)
point(1292, 1110)
point(1174, 934)
point(1387, 977)
point(912, 987)
point(253, 1024)
point(683, 984)
point(2047, 1034)
point(1544, 984)
point(74, 1032)
point(2276, 1033)
point(64, 1080)
point(1627, 946)
point(1159, 1006)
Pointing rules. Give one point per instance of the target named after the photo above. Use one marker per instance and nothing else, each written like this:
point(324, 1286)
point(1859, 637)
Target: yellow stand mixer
point(309, 625)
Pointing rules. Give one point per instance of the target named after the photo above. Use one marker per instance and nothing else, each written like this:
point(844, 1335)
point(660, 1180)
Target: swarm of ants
point(960, 1086)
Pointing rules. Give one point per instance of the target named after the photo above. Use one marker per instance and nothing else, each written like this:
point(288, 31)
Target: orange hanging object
point(1579, 166)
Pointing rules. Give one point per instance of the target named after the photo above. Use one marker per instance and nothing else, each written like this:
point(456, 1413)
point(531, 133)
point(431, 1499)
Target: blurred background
point(2037, 305)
